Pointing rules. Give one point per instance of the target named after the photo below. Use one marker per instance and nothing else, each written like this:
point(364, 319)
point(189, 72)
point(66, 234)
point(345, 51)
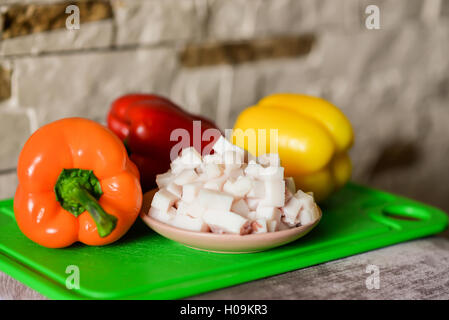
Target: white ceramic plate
point(223, 243)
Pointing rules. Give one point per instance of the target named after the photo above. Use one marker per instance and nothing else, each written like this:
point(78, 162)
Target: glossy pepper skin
point(81, 165)
point(314, 139)
point(145, 122)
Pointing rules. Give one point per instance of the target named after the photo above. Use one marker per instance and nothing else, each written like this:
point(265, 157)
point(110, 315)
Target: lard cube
point(253, 203)
point(258, 189)
point(192, 209)
point(212, 170)
point(232, 160)
point(162, 180)
point(222, 145)
point(268, 213)
point(269, 160)
point(174, 189)
point(240, 207)
point(188, 223)
point(211, 199)
point(190, 158)
point(186, 176)
point(238, 188)
point(226, 222)
point(301, 208)
point(233, 173)
point(290, 185)
point(271, 173)
point(310, 212)
point(252, 169)
point(163, 200)
point(216, 158)
point(159, 215)
point(215, 184)
point(272, 225)
point(190, 191)
point(259, 226)
point(274, 193)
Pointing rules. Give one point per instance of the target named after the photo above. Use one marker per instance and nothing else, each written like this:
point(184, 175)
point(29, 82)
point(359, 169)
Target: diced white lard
point(233, 173)
point(274, 193)
point(269, 160)
point(224, 194)
point(188, 223)
point(255, 170)
point(252, 215)
point(186, 176)
point(216, 158)
point(291, 211)
point(232, 160)
point(211, 199)
point(288, 195)
point(215, 184)
point(222, 145)
point(310, 212)
point(253, 203)
point(226, 221)
point(182, 207)
point(271, 173)
point(176, 167)
point(212, 170)
point(258, 189)
point(282, 226)
point(259, 226)
point(300, 209)
point(252, 169)
point(174, 189)
point(159, 215)
point(196, 210)
point(163, 200)
point(268, 213)
point(238, 188)
point(240, 207)
point(272, 225)
point(190, 158)
point(162, 180)
point(192, 209)
point(290, 184)
point(190, 191)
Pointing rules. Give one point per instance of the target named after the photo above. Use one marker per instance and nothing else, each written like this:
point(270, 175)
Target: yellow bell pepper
point(313, 141)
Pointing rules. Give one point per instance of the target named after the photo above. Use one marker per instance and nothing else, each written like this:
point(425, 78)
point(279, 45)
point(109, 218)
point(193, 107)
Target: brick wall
point(217, 57)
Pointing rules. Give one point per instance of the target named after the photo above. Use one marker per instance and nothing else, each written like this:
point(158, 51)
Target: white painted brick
point(424, 180)
point(153, 21)
point(285, 17)
point(84, 84)
point(8, 184)
point(392, 13)
point(240, 19)
point(91, 35)
point(206, 91)
point(15, 128)
point(233, 19)
point(29, 1)
point(339, 15)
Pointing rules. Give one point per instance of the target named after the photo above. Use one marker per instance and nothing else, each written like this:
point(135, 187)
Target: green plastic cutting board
point(143, 264)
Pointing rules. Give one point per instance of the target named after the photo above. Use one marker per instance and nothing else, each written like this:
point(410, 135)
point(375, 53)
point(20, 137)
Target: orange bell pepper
point(76, 183)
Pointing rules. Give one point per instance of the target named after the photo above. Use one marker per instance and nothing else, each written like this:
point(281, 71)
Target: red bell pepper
point(144, 122)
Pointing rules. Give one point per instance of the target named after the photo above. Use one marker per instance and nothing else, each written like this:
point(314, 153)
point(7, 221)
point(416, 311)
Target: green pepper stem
point(104, 221)
point(78, 190)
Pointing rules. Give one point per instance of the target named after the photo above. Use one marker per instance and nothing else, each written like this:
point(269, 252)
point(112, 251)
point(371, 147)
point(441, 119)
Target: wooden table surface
point(417, 269)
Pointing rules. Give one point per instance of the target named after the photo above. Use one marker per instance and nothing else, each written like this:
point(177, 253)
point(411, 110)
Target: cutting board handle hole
point(406, 212)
